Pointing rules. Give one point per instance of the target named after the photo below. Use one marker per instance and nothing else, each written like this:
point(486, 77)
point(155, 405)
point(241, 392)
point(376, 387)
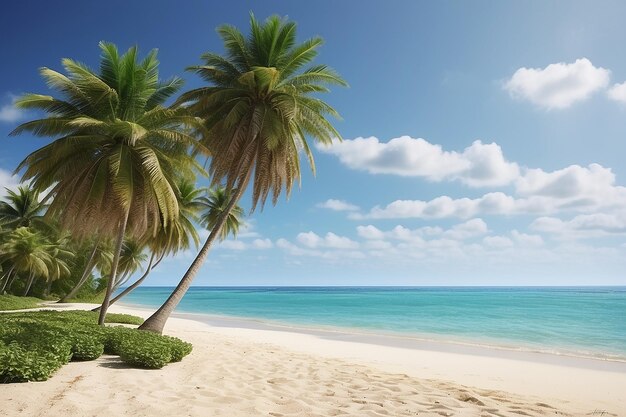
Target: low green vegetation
point(34, 345)
point(12, 302)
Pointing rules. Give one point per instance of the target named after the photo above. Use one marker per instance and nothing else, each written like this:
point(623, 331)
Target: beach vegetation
point(34, 345)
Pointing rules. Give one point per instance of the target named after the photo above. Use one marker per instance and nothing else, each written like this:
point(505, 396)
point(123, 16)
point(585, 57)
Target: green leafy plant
point(33, 345)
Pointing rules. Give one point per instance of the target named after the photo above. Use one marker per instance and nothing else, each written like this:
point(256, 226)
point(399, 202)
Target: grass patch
point(13, 302)
point(34, 345)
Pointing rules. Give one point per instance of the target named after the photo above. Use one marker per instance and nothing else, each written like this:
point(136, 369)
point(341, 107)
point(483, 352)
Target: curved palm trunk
point(7, 279)
point(135, 284)
point(156, 322)
point(91, 264)
point(31, 279)
point(114, 265)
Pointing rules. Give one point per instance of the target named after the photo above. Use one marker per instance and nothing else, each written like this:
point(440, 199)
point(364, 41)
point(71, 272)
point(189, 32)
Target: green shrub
point(151, 354)
point(86, 347)
point(123, 319)
point(33, 345)
point(178, 348)
point(18, 364)
point(13, 302)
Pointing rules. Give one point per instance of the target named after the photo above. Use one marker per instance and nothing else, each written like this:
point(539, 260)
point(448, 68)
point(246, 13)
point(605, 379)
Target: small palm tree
point(21, 208)
point(29, 254)
point(215, 205)
point(117, 151)
point(259, 107)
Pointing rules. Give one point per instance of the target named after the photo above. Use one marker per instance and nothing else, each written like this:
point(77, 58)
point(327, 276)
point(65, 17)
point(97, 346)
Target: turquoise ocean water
point(586, 321)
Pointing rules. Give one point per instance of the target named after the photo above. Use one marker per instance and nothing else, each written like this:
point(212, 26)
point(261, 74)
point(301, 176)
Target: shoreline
point(239, 371)
point(406, 340)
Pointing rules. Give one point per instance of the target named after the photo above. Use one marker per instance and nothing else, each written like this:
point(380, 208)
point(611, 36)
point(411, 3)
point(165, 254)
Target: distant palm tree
point(118, 151)
point(258, 109)
point(21, 208)
point(59, 263)
point(29, 254)
point(93, 254)
point(215, 204)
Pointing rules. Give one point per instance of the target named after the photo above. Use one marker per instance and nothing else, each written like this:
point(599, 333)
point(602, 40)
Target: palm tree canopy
point(215, 204)
point(27, 251)
point(118, 149)
point(260, 106)
point(21, 208)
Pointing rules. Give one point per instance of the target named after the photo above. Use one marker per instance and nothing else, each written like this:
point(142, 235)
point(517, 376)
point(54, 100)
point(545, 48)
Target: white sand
point(235, 371)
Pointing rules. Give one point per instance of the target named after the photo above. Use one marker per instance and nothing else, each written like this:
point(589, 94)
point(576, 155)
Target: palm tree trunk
point(7, 278)
point(48, 288)
point(31, 278)
point(136, 283)
point(156, 322)
point(116, 261)
point(91, 264)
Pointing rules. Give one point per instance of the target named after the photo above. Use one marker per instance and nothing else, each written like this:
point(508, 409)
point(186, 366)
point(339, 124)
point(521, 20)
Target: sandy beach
point(250, 370)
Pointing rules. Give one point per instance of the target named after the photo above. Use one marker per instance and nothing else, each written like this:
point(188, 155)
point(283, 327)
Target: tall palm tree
point(117, 152)
point(21, 208)
point(259, 107)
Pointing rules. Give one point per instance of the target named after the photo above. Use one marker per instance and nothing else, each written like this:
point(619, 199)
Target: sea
point(577, 321)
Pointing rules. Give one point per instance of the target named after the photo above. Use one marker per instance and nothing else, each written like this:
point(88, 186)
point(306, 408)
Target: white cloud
point(617, 92)
point(9, 113)
point(479, 165)
point(582, 226)
point(338, 205)
point(526, 239)
point(466, 230)
point(331, 240)
point(497, 242)
point(336, 254)
point(560, 85)
point(262, 244)
point(7, 180)
point(575, 188)
point(233, 245)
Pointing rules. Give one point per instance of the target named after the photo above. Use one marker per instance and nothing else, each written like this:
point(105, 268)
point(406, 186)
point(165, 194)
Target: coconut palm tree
point(215, 204)
point(259, 107)
point(22, 208)
point(117, 150)
point(29, 254)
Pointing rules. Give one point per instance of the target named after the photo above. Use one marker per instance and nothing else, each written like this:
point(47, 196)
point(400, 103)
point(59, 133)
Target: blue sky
point(484, 141)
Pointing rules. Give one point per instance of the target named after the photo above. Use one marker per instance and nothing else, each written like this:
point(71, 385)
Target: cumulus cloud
point(559, 85)
point(338, 205)
point(575, 188)
point(466, 230)
point(262, 244)
point(582, 226)
point(331, 240)
point(617, 92)
point(498, 242)
point(479, 165)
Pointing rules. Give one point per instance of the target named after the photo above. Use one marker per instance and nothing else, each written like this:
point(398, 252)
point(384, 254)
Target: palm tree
point(178, 236)
point(117, 152)
point(215, 204)
point(28, 253)
point(94, 254)
point(58, 265)
point(258, 109)
point(21, 208)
